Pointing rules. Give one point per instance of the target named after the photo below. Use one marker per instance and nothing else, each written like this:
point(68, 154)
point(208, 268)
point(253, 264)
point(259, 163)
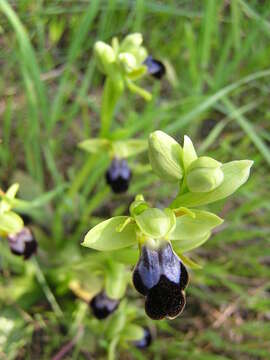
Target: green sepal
point(155, 223)
point(165, 156)
point(235, 173)
point(188, 227)
point(188, 244)
point(95, 146)
point(10, 223)
point(126, 148)
point(105, 237)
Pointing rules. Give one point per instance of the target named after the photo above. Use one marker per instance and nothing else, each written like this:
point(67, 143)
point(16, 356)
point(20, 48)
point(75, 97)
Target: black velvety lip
point(161, 277)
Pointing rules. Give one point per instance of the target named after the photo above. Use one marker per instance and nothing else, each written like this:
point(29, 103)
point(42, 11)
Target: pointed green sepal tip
point(165, 156)
point(105, 237)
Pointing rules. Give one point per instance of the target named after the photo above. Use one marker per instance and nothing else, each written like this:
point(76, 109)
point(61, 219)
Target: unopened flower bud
point(204, 174)
point(102, 306)
point(23, 243)
point(165, 156)
point(105, 56)
point(161, 277)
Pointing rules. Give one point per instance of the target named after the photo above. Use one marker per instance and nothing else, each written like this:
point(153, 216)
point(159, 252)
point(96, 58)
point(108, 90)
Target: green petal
point(187, 261)
point(155, 223)
point(10, 222)
point(95, 146)
point(235, 173)
point(189, 153)
point(188, 227)
point(185, 245)
point(104, 236)
point(127, 148)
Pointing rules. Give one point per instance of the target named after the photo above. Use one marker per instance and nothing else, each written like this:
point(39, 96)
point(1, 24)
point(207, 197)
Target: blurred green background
point(216, 90)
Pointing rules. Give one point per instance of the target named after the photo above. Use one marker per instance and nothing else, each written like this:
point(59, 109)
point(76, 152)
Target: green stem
point(112, 349)
point(47, 291)
point(111, 95)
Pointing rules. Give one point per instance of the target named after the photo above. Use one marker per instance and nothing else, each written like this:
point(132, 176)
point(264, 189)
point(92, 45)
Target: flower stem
point(45, 287)
point(111, 95)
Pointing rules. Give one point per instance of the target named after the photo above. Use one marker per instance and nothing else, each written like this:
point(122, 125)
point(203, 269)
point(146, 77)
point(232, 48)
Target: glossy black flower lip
point(161, 277)
point(155, 67)
point(23, 243)
point(145, 341)
point(103, 306)
point(118, 175)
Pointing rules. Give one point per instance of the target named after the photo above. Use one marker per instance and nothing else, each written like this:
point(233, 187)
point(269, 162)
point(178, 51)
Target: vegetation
point(215, 90)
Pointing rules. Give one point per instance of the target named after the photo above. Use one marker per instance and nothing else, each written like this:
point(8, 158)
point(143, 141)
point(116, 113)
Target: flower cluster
point(163, 234)
point(127, 61)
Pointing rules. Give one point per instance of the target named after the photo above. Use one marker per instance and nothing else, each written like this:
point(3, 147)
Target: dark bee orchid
point(145, 341)
point(118, 175)
point(23, 243)
point(155, 67)
point(161, 277)
point(102, 306)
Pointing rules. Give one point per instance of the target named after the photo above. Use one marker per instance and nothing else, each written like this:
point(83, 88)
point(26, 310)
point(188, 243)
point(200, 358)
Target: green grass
point(217, 53)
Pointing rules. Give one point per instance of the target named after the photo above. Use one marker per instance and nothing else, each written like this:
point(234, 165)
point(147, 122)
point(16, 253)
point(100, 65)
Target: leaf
point(105, 237)
point(116, 281)
point(155, 223)
point(127, 148)
point(188, 227)
point(189, 153)
point(185, 245)
point(132, 332)
point(235, 173)
point(95, 146)
point(10, 222)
